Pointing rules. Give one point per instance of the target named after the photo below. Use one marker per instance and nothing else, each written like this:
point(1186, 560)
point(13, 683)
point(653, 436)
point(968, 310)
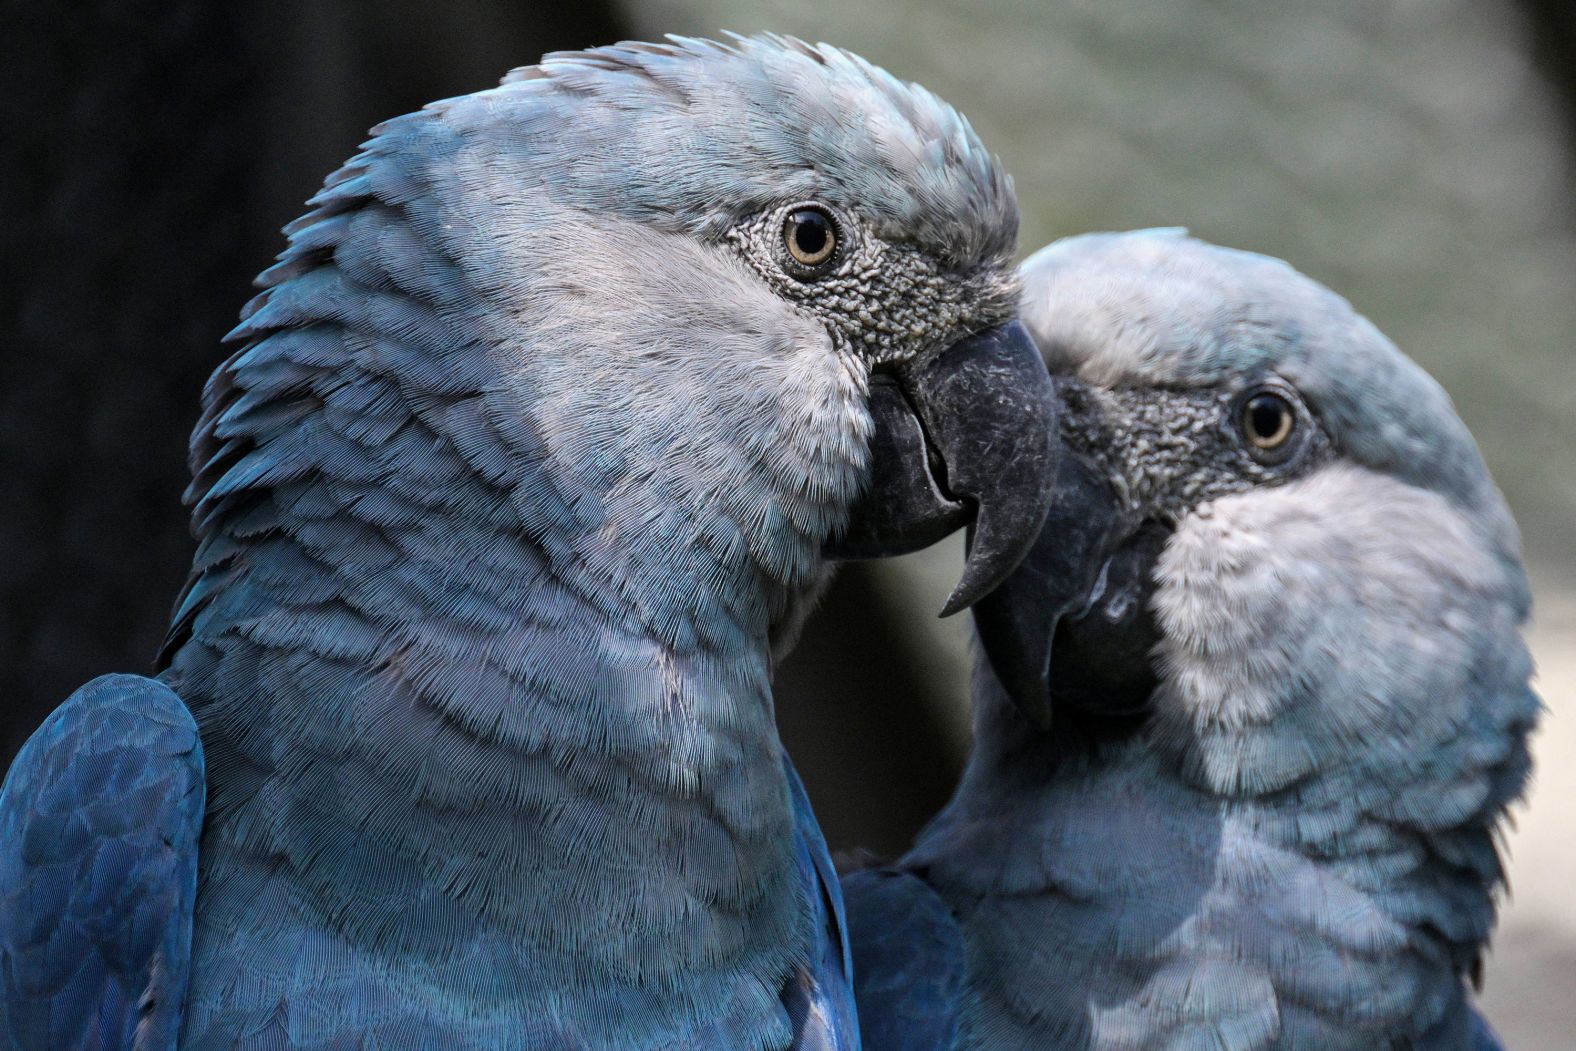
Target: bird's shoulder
point(909, 961)
point(99, 820)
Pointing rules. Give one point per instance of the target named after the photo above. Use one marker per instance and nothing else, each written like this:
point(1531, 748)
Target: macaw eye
point(810, 235)
point(1267, 421)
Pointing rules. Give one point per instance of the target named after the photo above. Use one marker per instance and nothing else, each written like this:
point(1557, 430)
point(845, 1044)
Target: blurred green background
point(1416, 155)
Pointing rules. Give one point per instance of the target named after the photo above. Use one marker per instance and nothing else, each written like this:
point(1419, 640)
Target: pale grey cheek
point(1347, 609)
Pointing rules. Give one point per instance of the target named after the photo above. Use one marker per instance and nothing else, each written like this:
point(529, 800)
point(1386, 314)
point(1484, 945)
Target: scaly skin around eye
point(874, 296)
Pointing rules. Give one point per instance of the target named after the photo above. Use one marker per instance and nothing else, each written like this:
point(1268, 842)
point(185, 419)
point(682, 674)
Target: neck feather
point(451, 688)
point(1149, 884)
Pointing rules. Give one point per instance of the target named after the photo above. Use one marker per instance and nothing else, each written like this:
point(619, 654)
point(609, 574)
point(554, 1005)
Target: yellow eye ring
point(1267, 421)
point(810, 236)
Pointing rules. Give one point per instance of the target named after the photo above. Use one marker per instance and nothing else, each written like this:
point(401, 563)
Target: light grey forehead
point(1157, 307)
point(706, 132)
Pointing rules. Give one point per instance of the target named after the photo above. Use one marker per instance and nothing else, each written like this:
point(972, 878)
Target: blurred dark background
point(1415, 154)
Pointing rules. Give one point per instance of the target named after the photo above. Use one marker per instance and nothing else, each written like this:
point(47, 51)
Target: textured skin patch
point(882, 300)
point(1170, 449)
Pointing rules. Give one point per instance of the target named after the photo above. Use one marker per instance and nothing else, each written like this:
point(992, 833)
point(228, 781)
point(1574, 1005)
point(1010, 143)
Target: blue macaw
point(539, 439)
point(1249, 715)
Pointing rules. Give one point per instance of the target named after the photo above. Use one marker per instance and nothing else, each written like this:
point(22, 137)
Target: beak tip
point(955, 604)
point(981, 576)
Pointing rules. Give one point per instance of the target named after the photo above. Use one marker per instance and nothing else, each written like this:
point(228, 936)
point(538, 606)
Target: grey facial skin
point(1248, 717)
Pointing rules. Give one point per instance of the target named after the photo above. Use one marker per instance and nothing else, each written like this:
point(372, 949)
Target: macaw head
point(696, 315)
point(1273, 541)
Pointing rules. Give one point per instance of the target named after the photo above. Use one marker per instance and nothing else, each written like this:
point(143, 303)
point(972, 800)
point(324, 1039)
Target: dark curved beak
point(1016, 621)
point(968, 438)
point(1074, 625)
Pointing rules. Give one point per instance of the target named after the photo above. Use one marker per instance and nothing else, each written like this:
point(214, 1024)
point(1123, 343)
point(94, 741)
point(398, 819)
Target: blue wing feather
point(909, 962)
point(820, 999)
point(99, 819)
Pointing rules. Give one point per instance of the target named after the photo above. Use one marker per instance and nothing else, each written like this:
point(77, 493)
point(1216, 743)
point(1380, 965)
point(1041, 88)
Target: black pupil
point(811, 232)
point(1266, 415)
